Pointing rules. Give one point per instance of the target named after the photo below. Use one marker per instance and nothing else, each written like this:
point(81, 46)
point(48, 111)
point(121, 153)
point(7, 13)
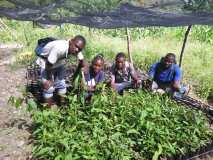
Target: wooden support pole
point(129, 46)
point(184, 44)
point(90, 31)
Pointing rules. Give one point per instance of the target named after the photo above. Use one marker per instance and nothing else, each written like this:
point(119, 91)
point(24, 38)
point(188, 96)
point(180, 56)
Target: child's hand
point(91, 88)
point(136, 83)
point(113, 86)
point(82, 63)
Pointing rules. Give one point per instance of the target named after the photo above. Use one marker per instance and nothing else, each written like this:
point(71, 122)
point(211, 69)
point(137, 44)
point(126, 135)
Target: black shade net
point(111, 13)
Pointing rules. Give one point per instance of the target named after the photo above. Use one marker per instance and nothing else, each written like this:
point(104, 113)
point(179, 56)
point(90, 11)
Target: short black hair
point(81, 38)
point(98, 57)
point(171, 55)
point(120, 55)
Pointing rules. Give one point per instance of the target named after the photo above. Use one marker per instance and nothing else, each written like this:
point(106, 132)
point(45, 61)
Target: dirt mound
point(14, 124)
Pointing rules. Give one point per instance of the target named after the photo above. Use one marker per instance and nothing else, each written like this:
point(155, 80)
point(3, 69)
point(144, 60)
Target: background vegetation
point(139, 126)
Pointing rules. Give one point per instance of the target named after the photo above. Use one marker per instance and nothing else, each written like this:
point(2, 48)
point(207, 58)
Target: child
point(166, 76)
point(121, 72)
point(94, 74)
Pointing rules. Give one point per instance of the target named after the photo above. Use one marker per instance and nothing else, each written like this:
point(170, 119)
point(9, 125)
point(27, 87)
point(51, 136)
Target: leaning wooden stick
point(184, 44)
point(83, 78)
point(129, 45)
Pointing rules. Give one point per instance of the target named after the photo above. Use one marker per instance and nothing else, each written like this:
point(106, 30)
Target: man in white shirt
point(52, 59)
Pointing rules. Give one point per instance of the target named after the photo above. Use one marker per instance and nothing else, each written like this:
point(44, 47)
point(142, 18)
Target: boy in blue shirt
point(166, 76)
point(94, 75)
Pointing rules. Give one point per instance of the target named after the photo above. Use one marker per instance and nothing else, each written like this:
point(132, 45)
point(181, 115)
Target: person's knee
point(47, 95)
point(61, 87)
point(62, 91)
point(60, 84)
point(154, 86)
point(122, 86)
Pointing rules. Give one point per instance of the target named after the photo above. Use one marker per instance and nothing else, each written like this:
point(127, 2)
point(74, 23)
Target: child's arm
point(133, 73)
point(176, 85)
point(112, 82)
point(152, 71)
point(134, 77)
point(177, 79)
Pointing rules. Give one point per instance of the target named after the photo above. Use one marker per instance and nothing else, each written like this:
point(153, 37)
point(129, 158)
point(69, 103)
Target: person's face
point(120, 62)
point(97, 66)
point(76, 46)
point(168, 61)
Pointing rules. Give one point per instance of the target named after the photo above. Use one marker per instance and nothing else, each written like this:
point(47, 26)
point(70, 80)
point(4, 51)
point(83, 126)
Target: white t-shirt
point(56, 52)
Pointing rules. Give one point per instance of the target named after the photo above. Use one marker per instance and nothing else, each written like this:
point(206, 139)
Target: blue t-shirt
point(169, 75)
point(92, 80)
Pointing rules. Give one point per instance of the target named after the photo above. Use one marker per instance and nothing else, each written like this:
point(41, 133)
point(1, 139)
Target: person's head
point(97, 63)
point(120, 60)
point(76, 44)
point(169, 59)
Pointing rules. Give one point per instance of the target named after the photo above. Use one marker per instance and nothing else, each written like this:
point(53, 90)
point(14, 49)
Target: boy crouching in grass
point(166, 77)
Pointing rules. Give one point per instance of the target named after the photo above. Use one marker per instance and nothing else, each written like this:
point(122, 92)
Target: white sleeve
point(53, 56)
point(112, 76)
point(91, 83)
point(41, 62)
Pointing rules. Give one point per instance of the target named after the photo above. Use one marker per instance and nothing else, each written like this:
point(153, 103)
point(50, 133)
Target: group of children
point(122, 74)
point(165, 75)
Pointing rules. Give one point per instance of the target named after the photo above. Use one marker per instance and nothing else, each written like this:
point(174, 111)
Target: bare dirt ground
point(14, 123)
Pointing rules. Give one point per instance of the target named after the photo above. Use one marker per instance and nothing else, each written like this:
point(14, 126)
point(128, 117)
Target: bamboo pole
point(83, 77)
point(184, 44)
point(129, 45)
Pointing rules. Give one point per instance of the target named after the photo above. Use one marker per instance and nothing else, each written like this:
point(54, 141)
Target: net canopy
point(111, 13)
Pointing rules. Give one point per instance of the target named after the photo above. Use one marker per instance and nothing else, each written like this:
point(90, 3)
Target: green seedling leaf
point(16, 101)
point(132, 131)
point(45, 150)
point(31, 105)
point(157, 153)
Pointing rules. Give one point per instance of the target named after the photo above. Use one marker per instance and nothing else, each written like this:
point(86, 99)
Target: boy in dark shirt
point(123, 74)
